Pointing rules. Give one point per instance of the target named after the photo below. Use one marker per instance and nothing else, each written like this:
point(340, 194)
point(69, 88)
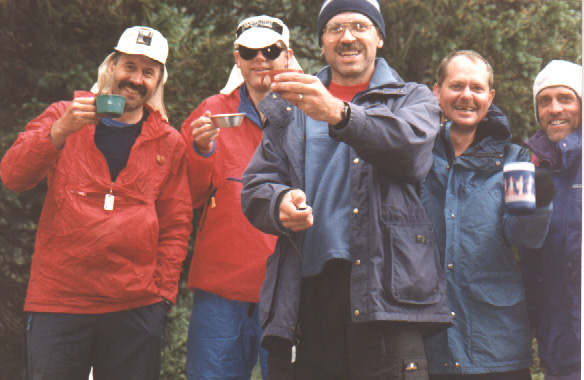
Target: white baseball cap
point(144, 41)
point(261, 31)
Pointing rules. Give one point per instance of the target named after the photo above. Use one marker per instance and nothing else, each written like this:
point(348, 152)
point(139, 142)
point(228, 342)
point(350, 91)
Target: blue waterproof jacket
point(396, 273)
point(464, 197)
point(552, 273)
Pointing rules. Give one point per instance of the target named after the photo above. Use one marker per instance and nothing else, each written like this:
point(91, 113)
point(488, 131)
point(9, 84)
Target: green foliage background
point(50, 48)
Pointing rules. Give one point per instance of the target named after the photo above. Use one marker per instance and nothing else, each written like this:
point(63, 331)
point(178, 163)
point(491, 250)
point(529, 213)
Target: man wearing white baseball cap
point(115, 224)
point(229, 258)
point(552, 274)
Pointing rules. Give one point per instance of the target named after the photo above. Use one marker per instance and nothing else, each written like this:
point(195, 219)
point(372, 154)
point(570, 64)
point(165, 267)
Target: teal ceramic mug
point(110, 105)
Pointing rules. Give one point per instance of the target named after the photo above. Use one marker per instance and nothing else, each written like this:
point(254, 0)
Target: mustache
point(141, 89)
point(355, 45)
point(470, 104)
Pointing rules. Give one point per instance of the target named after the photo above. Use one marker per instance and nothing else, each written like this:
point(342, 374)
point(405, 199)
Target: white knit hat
point(140, 40)
point(558, 73)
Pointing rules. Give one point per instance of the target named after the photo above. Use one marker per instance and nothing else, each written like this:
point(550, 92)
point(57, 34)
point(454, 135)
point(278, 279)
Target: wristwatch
point(345, 116)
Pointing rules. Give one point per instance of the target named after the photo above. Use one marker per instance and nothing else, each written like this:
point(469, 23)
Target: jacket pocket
point(501, 305)
point(415, 265)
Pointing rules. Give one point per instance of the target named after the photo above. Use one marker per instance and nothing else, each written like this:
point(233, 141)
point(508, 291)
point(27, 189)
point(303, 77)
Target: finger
point(298, 220)
point(298, 198)
point(84, 100)
point(81, 108)
point(294, 77)
point(201, 121)
point(298, 99)
point(205, 131)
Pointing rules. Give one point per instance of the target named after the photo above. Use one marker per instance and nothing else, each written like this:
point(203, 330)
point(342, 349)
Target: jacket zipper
point(271, 311)
point(212, 204)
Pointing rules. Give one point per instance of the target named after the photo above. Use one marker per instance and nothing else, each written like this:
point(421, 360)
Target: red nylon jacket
point(89, 260)
point(230, 254)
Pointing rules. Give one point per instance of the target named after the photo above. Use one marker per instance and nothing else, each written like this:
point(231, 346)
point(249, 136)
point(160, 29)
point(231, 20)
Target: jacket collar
point(492, 133)
point(558, 155)
point(488, 149)
point(246, 106)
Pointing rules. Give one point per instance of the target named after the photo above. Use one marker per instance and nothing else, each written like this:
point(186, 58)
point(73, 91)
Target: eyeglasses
point(269, 52)
point(358, 29)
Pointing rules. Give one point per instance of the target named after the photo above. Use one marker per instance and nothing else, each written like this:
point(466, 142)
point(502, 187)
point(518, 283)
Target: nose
point(259, 56)
point(136, 77)
point(347, 34)
point(555, 106)
point(466, 92)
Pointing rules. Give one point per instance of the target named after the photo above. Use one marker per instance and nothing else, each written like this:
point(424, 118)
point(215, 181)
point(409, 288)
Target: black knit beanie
point(331, 8)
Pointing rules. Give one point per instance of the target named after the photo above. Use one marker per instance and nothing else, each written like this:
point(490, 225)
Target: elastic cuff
point(277, 212)
point(202, 154)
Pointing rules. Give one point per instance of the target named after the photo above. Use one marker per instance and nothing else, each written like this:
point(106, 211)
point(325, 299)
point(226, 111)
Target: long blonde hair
point(104, 84)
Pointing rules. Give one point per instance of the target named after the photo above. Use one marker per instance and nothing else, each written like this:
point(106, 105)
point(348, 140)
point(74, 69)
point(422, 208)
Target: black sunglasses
point(269, 52)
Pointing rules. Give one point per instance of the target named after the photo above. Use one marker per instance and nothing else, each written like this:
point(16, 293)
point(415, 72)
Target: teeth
point(557, 122)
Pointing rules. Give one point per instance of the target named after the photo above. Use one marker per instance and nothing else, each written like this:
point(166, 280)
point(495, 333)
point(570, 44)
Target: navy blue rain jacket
point(552, 273)
point(396, 273)
point(464, 197)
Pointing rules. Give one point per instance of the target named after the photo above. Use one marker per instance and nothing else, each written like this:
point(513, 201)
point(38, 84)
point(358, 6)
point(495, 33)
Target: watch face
point(346, 111)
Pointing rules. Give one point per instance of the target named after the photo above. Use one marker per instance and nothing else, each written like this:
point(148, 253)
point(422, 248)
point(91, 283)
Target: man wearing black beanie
point(355, 277)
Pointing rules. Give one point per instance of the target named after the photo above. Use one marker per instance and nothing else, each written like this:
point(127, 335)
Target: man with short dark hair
point(115, 224)
point(552, 273)
point(355, 276)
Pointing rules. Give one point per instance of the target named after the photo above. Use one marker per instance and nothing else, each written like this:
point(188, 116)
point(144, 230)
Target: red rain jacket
point(230, 254)
point(88, 260)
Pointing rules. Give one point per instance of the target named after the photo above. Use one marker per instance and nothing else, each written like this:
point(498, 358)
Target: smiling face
point(464, 95)
point(559, 111)
point(254, 69)
point(352, 59)
point(136, 78)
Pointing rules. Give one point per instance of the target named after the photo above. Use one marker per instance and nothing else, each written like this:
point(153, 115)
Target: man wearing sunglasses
point(228, 264)
point(355, 276)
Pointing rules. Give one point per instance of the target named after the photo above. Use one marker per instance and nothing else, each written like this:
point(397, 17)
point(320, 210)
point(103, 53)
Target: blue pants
point(119, 345)
point(224, 339)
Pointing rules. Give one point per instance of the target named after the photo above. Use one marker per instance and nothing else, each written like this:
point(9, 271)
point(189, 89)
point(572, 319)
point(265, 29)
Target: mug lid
point(519, 166)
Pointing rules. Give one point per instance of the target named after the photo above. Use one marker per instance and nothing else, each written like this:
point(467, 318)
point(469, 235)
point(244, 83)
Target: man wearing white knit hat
point(552, 273)
point(229, 258)
point(115, 224)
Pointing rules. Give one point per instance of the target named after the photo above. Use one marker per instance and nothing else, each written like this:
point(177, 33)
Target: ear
point(111, 67)
point(492, 96)
point(290, 54)
point(236, 55)
point(436, 91)
point(380, 43)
